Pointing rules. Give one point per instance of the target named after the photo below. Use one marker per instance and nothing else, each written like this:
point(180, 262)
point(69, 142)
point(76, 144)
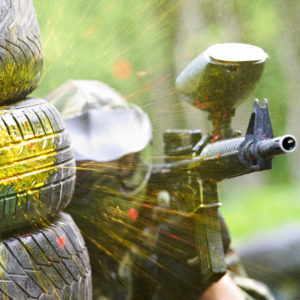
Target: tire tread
point(20, 49)
point(33, 268)
point(36, 150)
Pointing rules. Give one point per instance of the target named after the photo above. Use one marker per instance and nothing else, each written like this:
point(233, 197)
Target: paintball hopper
point(220, 78)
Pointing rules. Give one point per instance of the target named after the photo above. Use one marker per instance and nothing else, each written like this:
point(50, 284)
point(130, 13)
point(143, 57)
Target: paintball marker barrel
point(233, 157)
point(276, 146)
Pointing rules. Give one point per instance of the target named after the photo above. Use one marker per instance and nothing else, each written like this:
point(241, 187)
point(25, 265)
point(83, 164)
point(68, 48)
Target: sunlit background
point(139, 47)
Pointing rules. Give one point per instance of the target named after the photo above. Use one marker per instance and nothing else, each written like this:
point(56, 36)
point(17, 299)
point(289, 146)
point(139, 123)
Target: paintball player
point(111, 140)
point(112, 145)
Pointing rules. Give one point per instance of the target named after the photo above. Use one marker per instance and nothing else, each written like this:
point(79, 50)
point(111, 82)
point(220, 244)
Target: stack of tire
point(42, 253)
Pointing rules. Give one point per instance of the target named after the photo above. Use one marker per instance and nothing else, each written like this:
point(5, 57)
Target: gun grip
point(208, 235)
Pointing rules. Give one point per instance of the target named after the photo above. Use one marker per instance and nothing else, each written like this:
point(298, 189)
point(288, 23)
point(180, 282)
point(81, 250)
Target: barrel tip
point(288, 143)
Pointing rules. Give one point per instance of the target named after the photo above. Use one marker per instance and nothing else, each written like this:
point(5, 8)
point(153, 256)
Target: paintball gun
point(216, 82)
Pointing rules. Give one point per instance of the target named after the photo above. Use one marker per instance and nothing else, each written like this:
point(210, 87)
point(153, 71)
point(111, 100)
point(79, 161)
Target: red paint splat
point(215, 138)
point(218, 156)
point(133, 214)
point(27, 234)
point(224, 116)
point(61, 242)
point(175, 237)
point(31, 146)
point(122, 69)
point(48, 262)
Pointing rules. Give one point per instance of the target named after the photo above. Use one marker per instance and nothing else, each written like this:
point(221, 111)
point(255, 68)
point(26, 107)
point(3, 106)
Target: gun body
point(216, 82)
point(232, 157)
point(193, 166)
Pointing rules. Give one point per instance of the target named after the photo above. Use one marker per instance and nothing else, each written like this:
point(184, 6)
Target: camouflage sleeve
point(253, 289)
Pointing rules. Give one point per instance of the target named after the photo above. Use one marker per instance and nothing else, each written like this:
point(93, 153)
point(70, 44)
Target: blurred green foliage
point(249, 211)
point(131, 45)
point(91, 39)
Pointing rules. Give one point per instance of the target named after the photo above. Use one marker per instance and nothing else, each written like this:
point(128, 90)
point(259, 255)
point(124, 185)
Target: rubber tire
point(37, 166)
point(49, 263)
point(21, 55)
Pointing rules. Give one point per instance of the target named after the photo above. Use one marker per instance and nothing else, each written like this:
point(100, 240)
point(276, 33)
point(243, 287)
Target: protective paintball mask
point(112, 146)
